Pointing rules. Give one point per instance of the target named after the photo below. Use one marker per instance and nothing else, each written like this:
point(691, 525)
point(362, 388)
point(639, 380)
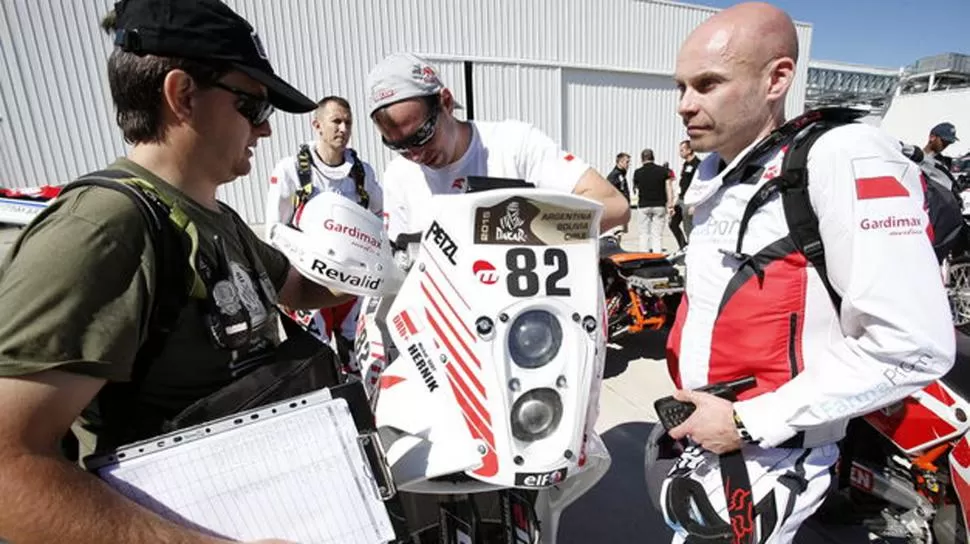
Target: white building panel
point(57, 120)
point(611, 112)
point(910, 117)
point(514, 91)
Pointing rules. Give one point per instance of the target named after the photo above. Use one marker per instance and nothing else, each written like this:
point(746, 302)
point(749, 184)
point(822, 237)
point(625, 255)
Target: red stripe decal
point(936, 391)
point(445, 276)
point(451, 349)
point(879, 187)
point(468, 394)
point(388, 382)
point(448, 322)
point(490, 459)
point(452, 308)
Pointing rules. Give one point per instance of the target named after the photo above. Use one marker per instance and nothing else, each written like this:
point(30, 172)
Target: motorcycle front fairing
point(499, 330)
point(929, 417)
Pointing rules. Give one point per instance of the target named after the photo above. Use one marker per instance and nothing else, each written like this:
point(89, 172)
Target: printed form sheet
point(298, 476)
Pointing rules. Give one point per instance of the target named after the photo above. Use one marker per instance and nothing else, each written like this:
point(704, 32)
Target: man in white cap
point(413, 111)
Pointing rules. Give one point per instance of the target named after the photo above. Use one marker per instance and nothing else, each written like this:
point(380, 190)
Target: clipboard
point(216, 478)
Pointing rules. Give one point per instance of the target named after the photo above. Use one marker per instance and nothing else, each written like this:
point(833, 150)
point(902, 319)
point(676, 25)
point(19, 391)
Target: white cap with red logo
point(338, 244)
point(399, 77)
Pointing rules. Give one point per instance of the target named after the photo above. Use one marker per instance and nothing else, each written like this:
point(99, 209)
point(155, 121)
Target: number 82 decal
point(523, 280)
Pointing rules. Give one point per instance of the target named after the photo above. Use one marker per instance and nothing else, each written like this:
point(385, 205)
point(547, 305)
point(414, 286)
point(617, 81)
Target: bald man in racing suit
point(764, 311)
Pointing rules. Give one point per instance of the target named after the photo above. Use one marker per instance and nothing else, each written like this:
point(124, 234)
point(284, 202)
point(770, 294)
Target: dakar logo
point(353, 232)
point(510, 225)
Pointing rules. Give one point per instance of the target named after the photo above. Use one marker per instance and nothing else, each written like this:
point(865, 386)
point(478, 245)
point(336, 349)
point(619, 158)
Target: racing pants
point(772, 492)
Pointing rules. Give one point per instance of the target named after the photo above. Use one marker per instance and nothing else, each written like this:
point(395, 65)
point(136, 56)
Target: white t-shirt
point(284, 182)
point(505, 149)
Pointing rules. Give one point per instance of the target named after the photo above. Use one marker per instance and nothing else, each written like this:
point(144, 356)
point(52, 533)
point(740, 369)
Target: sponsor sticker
point(444, 242)
point(540, 479)
point(356, 280)
point(522, 221)
point(485, 272)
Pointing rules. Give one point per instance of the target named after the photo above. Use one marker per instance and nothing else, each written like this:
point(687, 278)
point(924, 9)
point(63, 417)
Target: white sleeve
point(896, 330)
point(545, 163)
point(279, 199)
point(396, 214)
point(374, 189)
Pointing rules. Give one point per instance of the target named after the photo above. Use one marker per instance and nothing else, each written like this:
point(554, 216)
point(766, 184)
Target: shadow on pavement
point(617, 509)
point(644, 345)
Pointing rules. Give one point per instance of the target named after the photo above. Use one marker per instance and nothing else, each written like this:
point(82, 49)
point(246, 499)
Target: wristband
point(742, 430)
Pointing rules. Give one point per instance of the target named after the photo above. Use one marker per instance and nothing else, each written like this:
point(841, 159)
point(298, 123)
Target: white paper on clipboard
point(293, 470)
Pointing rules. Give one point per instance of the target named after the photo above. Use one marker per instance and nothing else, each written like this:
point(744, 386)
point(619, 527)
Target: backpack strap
point(304, 160)
point(792, 183)
point(802, 221)
point(357, 174)
point(174, 240)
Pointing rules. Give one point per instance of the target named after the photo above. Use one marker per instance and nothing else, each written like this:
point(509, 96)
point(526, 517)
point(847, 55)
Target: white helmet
point(338, 244)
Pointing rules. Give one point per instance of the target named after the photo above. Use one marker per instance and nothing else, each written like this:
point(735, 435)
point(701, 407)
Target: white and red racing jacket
point(815, 367)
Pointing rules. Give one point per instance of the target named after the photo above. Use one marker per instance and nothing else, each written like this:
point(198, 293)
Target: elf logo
point(485, 272)
point(541, 479)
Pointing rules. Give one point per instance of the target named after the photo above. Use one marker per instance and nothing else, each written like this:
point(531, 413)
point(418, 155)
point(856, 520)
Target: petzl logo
point(485, 272)
point(546, 479)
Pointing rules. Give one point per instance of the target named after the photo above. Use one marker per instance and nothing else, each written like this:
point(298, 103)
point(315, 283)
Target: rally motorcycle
point(481, 346)
point(642, 290)
point(956, 266)
point(20, 206)
point(904, 470)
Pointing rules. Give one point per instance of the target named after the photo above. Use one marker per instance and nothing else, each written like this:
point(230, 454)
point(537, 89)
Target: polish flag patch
point(879, 187)
point(877, 177)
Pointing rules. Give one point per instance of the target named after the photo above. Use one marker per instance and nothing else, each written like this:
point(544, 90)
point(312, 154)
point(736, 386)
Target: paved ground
point(617, 509)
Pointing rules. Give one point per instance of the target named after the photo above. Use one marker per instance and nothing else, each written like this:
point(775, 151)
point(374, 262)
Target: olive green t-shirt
point(76, 291)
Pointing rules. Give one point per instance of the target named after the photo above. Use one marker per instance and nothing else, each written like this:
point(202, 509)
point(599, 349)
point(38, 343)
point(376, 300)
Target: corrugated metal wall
point(630, 112)
point(593, 74)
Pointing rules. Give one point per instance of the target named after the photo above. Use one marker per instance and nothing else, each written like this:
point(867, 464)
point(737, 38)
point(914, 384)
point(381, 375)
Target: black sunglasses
point(256, 109)
point(421, 136)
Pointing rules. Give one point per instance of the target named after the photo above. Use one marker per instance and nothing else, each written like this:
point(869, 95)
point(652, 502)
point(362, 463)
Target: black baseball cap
point(203, 30)
point(946, 132)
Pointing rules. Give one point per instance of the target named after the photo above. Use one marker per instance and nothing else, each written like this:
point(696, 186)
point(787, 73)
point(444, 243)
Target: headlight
point(534, 338)
point(536, 415)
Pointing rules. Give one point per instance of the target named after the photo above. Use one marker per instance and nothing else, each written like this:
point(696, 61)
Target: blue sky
point(885, 33)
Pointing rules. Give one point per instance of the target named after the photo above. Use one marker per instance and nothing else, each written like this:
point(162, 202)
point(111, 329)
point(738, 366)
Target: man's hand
point(299, 293)
point(712, 423)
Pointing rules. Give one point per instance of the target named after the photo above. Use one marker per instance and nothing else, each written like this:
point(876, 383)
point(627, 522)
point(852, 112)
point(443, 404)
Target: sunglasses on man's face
point(256, 109)
point(421, 137)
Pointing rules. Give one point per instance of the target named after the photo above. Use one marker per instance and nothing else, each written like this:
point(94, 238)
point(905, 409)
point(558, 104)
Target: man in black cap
point(941, 136)
point(194, 92)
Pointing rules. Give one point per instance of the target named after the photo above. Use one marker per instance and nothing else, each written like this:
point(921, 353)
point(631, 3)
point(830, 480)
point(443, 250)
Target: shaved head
point(734, 72)
point(753, 34)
